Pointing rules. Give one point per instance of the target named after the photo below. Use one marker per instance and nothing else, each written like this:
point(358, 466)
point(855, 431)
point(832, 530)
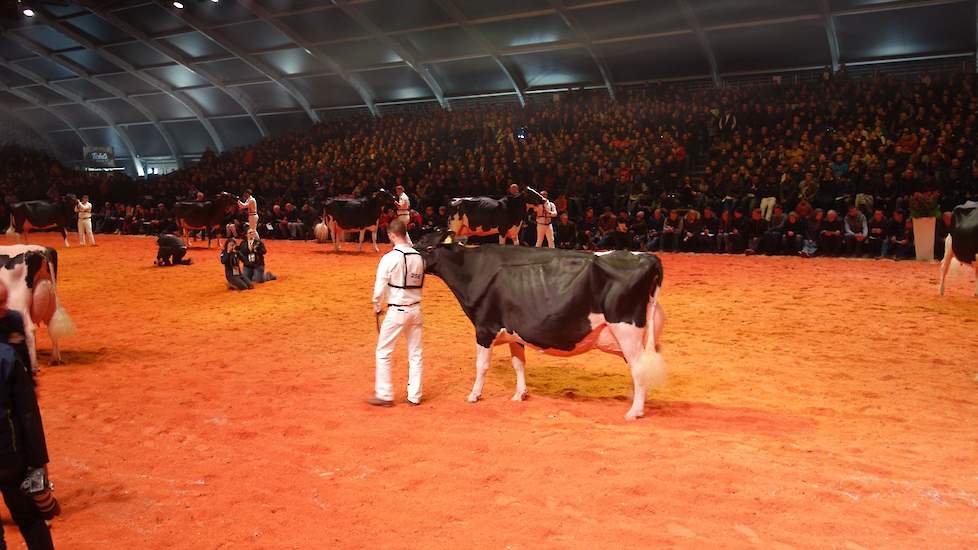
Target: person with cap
point(400, 278)
point(84, 210)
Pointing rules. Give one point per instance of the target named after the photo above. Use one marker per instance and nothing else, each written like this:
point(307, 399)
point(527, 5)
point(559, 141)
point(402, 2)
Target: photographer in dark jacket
point(252, 252)
point(22, 444)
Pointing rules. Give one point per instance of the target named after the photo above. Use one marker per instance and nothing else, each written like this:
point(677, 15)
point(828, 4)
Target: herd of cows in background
point(560, 302)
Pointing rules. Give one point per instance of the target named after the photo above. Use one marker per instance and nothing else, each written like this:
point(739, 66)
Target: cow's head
point(433, 245)
point(384, 197)
point(225, 200)
point(531, 196)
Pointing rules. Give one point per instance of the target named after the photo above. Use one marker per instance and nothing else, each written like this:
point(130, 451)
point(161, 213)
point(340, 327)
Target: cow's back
point(964, 235)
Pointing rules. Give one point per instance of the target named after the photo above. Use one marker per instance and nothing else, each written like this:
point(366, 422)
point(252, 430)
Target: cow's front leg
point(64, 233)
point(337, 233)
point(502, 238)
point(374, 234)
point(519, 361)
point(482, 357)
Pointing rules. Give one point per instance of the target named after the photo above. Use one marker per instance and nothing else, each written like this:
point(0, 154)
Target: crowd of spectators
point(822, 167)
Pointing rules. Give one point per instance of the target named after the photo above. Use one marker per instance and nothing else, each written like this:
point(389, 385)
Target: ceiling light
point(178, 5)
point(28, 12)
point(215, 1)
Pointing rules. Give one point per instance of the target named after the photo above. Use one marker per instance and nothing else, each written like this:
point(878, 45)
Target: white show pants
point(545, 231)
point(253, 221)
point(407, 319)
point(767, 207)
point(85, 229)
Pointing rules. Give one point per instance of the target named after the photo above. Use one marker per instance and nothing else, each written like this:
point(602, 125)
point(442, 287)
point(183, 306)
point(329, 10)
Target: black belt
point(403, 305)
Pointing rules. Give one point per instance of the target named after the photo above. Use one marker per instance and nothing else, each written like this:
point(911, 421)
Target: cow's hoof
point(521, 396)
point(632, 415)
point(473, 398)
point(56, 362)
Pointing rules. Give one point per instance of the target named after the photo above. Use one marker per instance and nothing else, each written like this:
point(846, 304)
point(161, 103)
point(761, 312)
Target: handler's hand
point(377, 309)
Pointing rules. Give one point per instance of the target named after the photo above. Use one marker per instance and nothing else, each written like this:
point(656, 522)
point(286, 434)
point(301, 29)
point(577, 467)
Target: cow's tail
point(651, 365)
point(61, 324)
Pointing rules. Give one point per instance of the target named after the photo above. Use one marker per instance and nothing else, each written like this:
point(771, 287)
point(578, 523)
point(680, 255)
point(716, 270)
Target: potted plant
point(924, 209)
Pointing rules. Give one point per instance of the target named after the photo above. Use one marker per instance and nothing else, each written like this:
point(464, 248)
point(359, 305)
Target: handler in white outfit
point(545, 213)
point(251, 205)
point(403, 205)
point(84, 210)
point(400, 277)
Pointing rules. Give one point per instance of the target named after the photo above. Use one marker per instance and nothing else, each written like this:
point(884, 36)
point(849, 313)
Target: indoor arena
point(488, 274)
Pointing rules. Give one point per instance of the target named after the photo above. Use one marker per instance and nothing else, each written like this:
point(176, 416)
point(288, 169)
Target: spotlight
point(178, 5)
point(28, 12)
point(215, 1)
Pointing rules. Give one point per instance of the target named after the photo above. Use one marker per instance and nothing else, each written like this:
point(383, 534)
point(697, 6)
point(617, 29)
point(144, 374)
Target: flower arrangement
point(925, 204)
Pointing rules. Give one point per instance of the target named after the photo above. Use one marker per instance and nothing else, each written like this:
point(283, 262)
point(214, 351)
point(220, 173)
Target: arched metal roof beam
point(694, 24)
point(130, 69)
point(353, 80)
point(573, 25)
point(453, 11)
point(38, 104)
point(112, 90)
point(98, 111)
point(260, 66)
point(378, 34)
point(828, 21)
point(180, 59)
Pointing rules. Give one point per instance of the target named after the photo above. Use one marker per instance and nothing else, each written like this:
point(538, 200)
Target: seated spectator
point(587, 228)
point(732, 232)
point(754, 231)
point(877, 226)
point(637, 231)
point(813, 233)
point(792, 234)
point(773, 236)
point(671, 228)
point(899, 239)
point(690, 232)
point(856, 232)
point(653, 235)
point(707, 238)
point(565, 232)
point(830, 238)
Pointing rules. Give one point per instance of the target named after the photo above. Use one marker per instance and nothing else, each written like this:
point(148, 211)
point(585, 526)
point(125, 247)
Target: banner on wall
point(103, 157)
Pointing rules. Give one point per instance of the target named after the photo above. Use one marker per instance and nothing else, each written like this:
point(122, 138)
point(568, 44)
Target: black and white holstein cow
point(30, 273)
point(28, 215)
point(483, 216)
point(962, 243)
point(561, 302)
point(342, 215)
point(206, 215)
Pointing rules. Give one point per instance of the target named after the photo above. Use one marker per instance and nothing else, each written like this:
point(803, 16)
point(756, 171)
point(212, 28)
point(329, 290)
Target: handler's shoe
point(378, 402)
point(412, 403)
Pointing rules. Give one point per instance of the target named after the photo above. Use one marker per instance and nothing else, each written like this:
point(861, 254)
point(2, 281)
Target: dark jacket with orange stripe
point(21, 430)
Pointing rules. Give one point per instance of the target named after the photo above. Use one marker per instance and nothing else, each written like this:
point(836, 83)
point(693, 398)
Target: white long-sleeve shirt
point(84, 210)
point(251, 205)
point(403, 205)
point(391, 271)
point(545, 212)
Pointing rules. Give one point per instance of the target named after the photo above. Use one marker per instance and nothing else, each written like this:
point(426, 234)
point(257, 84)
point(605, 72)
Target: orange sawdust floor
point(819, 403)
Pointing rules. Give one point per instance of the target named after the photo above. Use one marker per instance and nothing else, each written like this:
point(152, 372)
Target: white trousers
point(545, 231)
point(85, 230)
point(253, 222)
point(407, 320)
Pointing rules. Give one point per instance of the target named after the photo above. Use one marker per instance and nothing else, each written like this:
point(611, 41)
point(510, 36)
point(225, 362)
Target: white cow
point(30, 274)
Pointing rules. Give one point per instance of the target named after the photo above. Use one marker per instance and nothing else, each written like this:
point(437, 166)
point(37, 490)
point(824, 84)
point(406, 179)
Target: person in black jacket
point(232, 267)
point(792, 234)
point(252, 252)
point(22, 444)
point(830, 235)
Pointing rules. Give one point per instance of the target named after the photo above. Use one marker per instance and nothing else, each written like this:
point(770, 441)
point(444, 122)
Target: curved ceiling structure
point(158, 82)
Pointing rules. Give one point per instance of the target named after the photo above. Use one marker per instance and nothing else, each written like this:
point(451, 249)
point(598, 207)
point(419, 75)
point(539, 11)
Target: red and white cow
point(30, 274)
